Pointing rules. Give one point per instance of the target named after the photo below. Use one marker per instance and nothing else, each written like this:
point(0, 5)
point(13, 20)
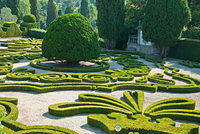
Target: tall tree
point(110, 20)
point(34, 11)
point(51, 12)
point(84, 9)
point(15, 7)
point(164, 21)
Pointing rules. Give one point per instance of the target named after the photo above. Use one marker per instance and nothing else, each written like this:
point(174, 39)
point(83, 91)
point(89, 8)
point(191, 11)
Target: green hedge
point(138, 124)
point(12, 127)
point(172, 103)
point(186, 49)
point(36, 33)
point(189, 63)
point(69, 109)
point(102, 66)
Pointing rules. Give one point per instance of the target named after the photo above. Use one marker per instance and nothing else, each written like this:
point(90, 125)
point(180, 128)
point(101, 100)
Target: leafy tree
point(68, 10)
point(42, 5)
point(84, 9)
point(34, 10)
point(134, 13)
point(70, 38)
point(51, 12)
point(164, 21)
point(2, 3)
point(7, 16)
point(26, 9)
point(15, 7)
point(110, 20)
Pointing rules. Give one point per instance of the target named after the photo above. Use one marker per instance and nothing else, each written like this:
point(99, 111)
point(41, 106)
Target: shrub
point(36, 33)
point(29, 21)
point(70, 37)
point(29, 18)
point(2, 33)
point(186, 49)
point(13, 31)
point(6, 25)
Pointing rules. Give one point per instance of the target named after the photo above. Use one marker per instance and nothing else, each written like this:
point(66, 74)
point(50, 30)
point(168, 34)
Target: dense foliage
point(110, 20)
point(192, 32)
point(84, 9)
point(187, 49)
point(70, 37)
point(164, 21)
point(51, 12)
point(15, 7)
point(34, 10)
point(29, 18)
point(36, 33)
point(29, 21)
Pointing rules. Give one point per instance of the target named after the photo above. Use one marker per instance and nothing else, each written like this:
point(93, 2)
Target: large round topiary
point(29, 18)
point(70, 37)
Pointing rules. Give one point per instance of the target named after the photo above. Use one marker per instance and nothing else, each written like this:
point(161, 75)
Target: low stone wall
point(146, 49)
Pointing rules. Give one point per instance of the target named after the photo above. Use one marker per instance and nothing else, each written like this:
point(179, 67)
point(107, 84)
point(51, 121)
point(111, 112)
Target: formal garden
point(72, 74)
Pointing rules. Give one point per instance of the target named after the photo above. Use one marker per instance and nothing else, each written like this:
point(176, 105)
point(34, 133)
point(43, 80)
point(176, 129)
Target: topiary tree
point(164, 21)
point(71, 37)
point(51, 12)
point(84, 9)
point(110, 20)
point(29, 21)
point(29, 18)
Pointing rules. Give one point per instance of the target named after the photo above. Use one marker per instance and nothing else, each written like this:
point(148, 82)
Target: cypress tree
point(84, 9)
point(34, 11)
point(51, 12)
point(15, 7)
point(110, 20)
point(164, 21)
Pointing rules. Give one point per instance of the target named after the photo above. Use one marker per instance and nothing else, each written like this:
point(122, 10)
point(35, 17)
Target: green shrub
point(102, 66)
point(11, 30)
point(138, 123)
point(186, 49)
point(28, 26)
point(70, 37)
point(36, 33)
point(29, 18)
point(6, 25)
point(2, 33)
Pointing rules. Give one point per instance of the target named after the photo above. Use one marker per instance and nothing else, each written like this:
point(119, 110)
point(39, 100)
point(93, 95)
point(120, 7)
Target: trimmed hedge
point(138, 123)
point(186, 49)
point(102, 66)
point(69, 109)
point(11, 126)
point(172, 103)
point(189, 63)
point(36, 33)
point(135, 99)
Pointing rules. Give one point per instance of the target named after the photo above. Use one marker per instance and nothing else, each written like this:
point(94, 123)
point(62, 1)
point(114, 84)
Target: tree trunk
point(110, 44)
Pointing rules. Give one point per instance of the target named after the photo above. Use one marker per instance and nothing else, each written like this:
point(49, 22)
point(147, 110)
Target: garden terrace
point(125, 88)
